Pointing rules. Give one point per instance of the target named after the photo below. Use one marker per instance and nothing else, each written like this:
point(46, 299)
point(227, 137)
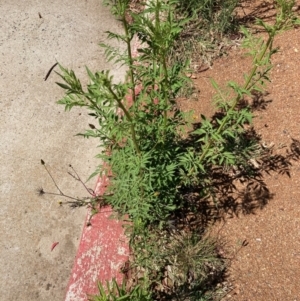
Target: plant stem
point(132, 129)
point(130, 58)
point(165, 89)
point(162, 57)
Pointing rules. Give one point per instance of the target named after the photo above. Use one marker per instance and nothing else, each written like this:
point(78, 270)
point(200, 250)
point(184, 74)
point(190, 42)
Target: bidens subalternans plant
point(150, 153)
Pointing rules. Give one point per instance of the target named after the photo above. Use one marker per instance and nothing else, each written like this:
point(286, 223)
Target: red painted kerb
point(102, 251)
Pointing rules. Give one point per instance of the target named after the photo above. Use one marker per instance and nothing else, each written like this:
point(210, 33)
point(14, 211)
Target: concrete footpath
point(33, 35)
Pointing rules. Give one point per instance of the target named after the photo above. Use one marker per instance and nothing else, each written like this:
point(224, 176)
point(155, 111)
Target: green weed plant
point(212, 15)
point(115, 292)
point(142, 141)
point(210, 21)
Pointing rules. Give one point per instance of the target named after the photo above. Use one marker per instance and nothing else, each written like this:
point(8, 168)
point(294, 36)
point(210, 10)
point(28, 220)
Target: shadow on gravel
point(240, 190)
point(263, 10)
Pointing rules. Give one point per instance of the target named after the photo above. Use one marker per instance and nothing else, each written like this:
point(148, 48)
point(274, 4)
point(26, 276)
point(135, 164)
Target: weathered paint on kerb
point(102, 252)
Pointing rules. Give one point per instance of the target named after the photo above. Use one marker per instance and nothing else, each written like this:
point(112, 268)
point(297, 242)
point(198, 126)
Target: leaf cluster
point(115, 292)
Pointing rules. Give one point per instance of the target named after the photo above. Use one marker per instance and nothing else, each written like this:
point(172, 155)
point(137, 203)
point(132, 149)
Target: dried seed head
point(40, 191)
